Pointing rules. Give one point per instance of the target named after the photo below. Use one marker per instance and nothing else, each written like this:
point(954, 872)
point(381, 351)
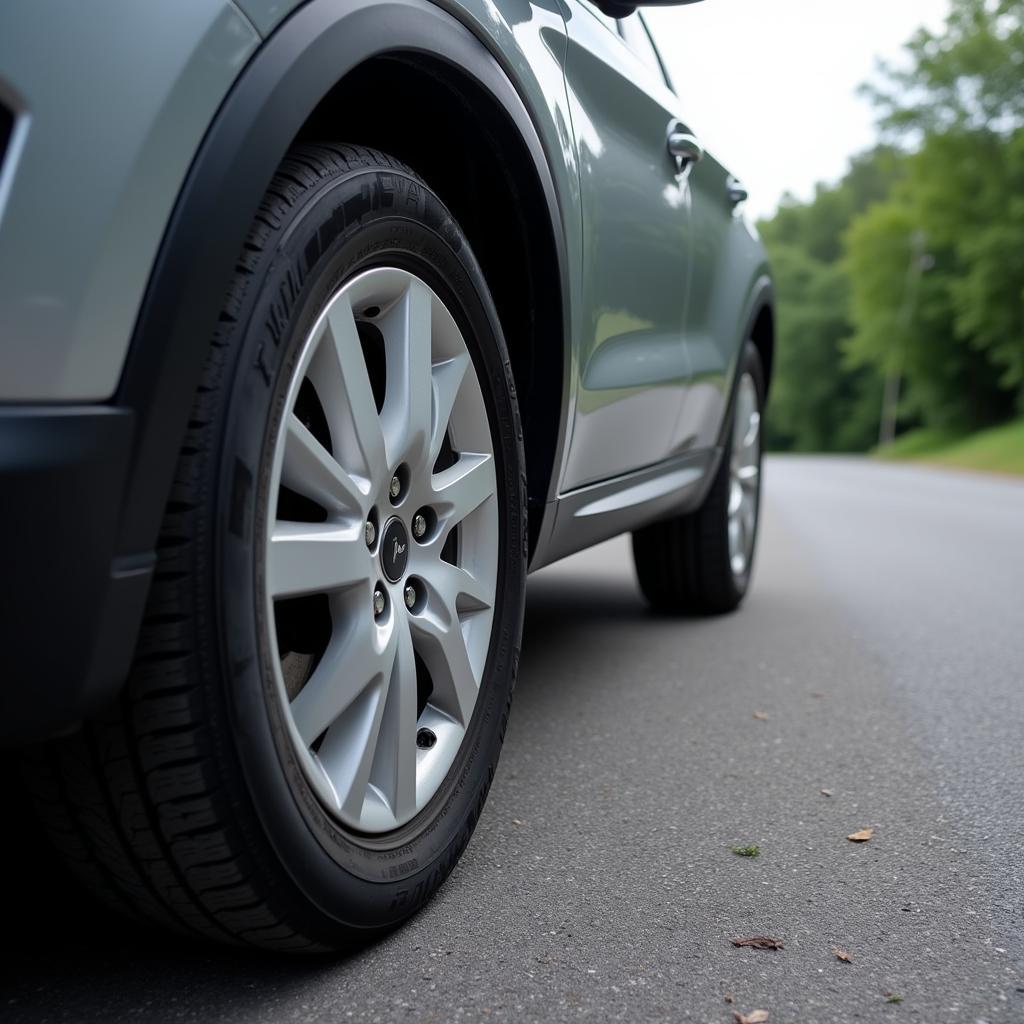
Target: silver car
point(322, 324)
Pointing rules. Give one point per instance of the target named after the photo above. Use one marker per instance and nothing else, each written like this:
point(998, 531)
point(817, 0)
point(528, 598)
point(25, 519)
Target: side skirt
point(597, 512)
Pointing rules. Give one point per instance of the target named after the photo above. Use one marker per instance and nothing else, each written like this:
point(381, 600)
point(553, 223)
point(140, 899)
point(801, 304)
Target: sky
point(769, 86)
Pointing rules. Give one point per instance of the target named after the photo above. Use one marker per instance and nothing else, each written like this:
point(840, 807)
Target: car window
point(638, 39)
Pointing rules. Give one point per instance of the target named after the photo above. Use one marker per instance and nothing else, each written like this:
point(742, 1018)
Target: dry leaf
point(728, 997)
point(761, 716)
point(759, 942)
point(841, 954)
point(825, 792)
point(862, 836)
point(754, 1017)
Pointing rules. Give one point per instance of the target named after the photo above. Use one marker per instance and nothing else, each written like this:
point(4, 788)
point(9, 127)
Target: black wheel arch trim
point(760, 298)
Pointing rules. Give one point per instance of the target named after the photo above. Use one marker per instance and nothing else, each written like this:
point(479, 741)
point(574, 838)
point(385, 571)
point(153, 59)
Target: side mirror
point(616, 9)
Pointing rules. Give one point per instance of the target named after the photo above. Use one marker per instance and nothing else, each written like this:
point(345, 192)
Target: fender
point(283, 83)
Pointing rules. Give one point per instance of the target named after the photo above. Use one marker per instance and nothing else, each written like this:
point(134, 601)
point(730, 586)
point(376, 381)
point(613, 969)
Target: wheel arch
point(291, 89)
point(762, 334)
point(461, 139)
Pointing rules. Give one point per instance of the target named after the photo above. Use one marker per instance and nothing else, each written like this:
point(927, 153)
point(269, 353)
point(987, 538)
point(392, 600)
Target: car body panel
point(729, 267)
point(631, 355)
point(109, 132)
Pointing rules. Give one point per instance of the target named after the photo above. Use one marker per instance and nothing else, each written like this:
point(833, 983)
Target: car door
point(632, 365)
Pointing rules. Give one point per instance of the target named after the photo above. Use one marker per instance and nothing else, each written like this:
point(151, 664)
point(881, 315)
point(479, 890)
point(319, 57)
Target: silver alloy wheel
point(378, 711)
point(744, 473)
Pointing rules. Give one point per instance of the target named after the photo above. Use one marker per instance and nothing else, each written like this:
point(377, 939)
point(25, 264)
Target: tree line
point(901, 287)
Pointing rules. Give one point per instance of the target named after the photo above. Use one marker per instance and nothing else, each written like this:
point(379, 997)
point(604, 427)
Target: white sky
point(769, 85)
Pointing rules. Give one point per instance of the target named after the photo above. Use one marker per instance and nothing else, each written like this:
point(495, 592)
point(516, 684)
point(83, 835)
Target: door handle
point(683, 146)
point(735, 191)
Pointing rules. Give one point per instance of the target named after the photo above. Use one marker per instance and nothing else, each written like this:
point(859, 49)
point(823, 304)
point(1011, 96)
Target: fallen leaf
point(759, 942)
point(753, 850)
point(841, 954)
point(825, 792)
point(516, 821)
point(761, 716)
point(754, 1017)
point(892, 997)
point(862, 836)
point(728, 997)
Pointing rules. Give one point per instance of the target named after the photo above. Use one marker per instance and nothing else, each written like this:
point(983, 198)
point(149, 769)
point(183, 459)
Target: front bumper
point(69, 607)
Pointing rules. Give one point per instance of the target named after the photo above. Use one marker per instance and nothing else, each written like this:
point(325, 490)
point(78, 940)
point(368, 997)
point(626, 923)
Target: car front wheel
point(324, 676)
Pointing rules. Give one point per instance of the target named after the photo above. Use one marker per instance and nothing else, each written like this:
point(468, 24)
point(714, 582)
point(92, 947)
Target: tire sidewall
point(354, 221)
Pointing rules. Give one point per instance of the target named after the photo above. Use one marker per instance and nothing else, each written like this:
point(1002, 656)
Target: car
point(321, 324)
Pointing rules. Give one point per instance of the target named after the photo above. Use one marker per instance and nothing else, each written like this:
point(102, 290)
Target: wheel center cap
point(394, 550)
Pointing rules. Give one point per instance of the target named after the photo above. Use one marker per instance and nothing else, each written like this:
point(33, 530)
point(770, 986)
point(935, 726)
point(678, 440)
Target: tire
point(685, 565)
point(196, 802)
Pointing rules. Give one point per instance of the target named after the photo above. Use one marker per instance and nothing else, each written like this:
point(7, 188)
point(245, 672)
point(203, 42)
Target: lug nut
point(410, 595)
point(425, 739)
point(419, 525)
point(378, 601)
point(396, 487)
point(370, 533)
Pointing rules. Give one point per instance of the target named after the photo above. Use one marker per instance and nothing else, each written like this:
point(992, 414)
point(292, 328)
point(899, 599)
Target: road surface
point(880, 657)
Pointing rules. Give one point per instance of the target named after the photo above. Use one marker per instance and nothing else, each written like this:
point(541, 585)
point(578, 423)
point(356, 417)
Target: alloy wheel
point(744, 476)
point(381, 549)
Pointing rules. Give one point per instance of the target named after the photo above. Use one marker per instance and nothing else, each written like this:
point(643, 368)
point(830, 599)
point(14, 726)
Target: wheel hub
point(394, 550)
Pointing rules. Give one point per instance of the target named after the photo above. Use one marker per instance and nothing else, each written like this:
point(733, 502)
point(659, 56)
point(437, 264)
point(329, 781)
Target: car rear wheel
point(700, 563)
point(323, 680)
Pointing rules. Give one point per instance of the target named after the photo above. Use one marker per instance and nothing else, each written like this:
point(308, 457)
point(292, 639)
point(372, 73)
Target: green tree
point(819, 403)
point(960, 103)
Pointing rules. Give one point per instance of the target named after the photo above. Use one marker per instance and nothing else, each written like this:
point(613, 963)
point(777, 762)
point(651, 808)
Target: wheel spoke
point(406, 416)
point(751, 434)
point(442, 647)
point(313, 558)
point(457, 589)
point(309, 469)
point(338, 372)
point(394, 764)
point(447, 378)
point(464, 486)
point(747, 476)
point(348, 749)
point(353, 662)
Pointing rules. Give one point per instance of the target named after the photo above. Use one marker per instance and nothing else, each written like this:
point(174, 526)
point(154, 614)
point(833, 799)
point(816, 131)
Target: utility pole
point(920, 261)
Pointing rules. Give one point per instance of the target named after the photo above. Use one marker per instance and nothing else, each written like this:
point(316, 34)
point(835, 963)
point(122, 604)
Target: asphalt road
point(883, 646)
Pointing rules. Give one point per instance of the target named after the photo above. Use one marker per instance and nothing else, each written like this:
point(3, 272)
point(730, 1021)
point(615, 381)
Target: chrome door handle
point(683, 146)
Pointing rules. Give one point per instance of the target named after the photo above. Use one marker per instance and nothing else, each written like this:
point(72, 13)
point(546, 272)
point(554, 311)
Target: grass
point(997, 450)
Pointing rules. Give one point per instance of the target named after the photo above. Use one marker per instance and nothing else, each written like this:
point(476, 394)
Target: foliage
point(913, 264)
point(818, 402)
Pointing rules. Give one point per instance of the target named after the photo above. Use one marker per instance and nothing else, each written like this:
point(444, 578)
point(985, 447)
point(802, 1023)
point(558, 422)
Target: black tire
point(683, 564)
point(184, 804)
